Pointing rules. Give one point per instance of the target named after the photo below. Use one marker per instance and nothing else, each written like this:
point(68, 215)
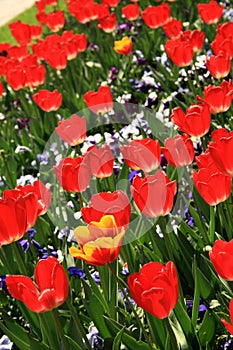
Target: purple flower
point(95, 339)
point(74, 271)
point(96, 277)
point(5, 343)
point(3, 283)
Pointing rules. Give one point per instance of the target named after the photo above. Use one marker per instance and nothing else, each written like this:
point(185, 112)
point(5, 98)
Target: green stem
point(19, 259)
point(121, 285)
point(212, 224)
point(60, 329)
point(224, 221)
point(166, 239)
point(80, 198)
point(78, 324)
point(5, 262)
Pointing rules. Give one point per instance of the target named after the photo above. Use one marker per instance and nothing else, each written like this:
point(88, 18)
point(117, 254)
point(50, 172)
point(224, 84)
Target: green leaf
point(74, 345)
point(117, 340)
point(207, 329)
point(36, 345)
point(16, 334)
point(129, 341)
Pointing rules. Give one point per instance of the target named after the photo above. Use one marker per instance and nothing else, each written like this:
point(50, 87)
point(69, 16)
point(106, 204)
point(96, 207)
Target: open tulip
point(52, 284)
point(99, 242)
point(180, 52)
point(211, 12)
point(142, 154)
point(154, 194)
point(123, 46)
point(107, 203)
point(155, 288)
point(221, 257)
point(48, 101)
point(156, 16)
point(73, 130)
point(219, 66)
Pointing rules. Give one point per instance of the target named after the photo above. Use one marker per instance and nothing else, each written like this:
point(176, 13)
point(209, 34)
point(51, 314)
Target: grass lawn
point(29, 16)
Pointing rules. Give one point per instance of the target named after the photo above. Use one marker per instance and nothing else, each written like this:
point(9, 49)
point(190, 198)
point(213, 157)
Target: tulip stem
point(80, 199)
point(5, 262)
point(60, 330)
point(224, 221)
point(212, 224)
point(166, 238)
point(19, 258)
point(121, 285)
point(78, 324)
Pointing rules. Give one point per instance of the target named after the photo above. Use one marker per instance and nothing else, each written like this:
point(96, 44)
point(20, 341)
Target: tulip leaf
point(127, 339)
point(117, 340)
point(74, 345)
point(95, 309)
point(157, 330)
point(36, 345)
point(16, 334)
point(207, 329)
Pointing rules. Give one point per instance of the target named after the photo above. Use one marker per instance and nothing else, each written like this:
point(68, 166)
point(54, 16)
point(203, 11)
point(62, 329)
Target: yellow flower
point(99, 242)
point(123, 46)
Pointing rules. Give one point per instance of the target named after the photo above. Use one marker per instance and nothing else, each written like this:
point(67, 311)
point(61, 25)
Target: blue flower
point(5, 343)
point(74, 271)
point(95, 339)
point(96, 277)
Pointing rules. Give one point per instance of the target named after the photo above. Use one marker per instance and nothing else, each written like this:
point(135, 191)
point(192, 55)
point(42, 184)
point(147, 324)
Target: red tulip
point(224, 39)
point(155, 288)
point(221, 257)
point(99, 242)
point(213, 186)
point(111, 3)
point(101, 161)
point(156, 16)
point(48, 101)
point(180, 52)
point(142, 154)
point(196, 120)
point(154, 194)
point(229, 326)
point(211, 12)
point(221, 153)
point(21, 32)
point(173, 28)
point(107, 203)
point(73, 130)
point(16, 78)
point(56, 58)
point(52, 284)
point(55, 20)
point(219, 66)
point(123, 46)
point(196, 38)
point(108, 24)
point(218, 97)
point(100, 101)
point(19, 209)
point(131, 11)
point(1, 89)
point(73, 174)
point(35, 76)
point(178, 150)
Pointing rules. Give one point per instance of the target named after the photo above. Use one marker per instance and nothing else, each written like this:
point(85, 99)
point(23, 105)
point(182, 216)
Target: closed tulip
point(178, 150)
point(221, 152)
point(73, 174)
point(213, 186)
point(221, 257)
point(100, 101)
point(219, 66)
point(107, 203)
point(155, 288)
point(218, 98)
point(73, 130)
point(154, 194)
point(142, 154)
point(180, 52)
point(100, 160)
point(196, 120)
point(51, 290)
point(173, 28)
point(131, 11)
point(99, 242)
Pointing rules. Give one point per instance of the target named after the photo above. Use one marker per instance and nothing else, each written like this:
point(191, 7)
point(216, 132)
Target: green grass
point(28, 16)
